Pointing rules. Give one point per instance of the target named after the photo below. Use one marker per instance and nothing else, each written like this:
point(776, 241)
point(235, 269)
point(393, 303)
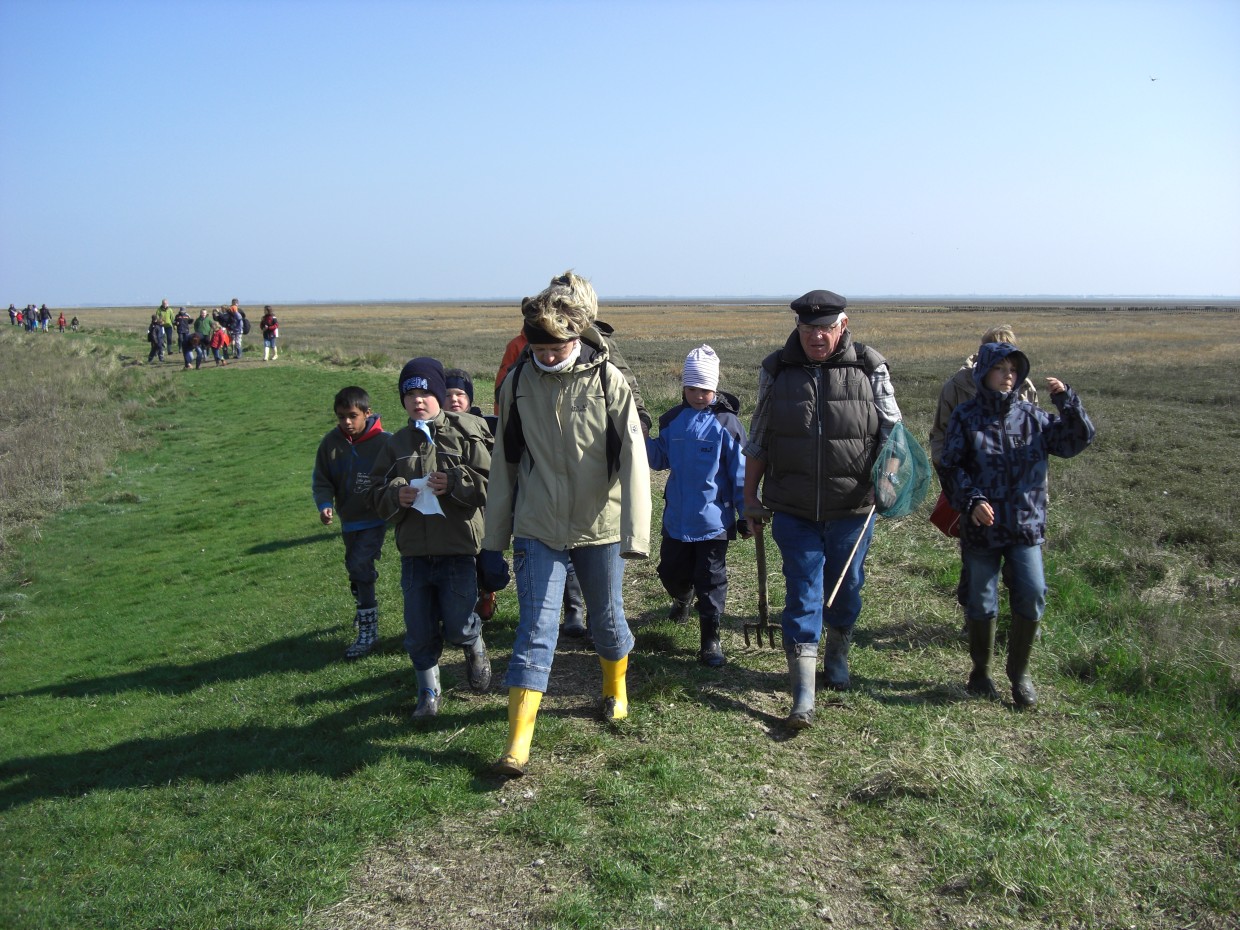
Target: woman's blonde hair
point(565, 308)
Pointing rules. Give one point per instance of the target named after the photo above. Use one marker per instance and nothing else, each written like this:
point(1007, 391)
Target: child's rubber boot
point(428, 693)
point(802, 663)
point(615, 693)
point(477, 666)
point(1023, 632)
point(981, 648)
point(523, 706)
point(711, 652)
point(367, 622)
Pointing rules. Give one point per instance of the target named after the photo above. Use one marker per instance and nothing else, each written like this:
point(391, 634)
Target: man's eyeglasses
point(811, 330)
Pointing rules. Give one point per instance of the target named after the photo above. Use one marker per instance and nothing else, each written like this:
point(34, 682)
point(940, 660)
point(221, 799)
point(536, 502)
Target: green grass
point(181, 746)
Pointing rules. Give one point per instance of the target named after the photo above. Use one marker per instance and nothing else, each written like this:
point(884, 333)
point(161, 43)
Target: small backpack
point(245, 324)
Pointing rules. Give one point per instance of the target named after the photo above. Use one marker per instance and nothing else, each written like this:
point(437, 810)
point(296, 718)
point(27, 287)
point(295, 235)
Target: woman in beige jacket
point(569, 484)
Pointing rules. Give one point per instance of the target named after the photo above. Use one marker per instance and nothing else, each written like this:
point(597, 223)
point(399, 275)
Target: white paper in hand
point(426, 502)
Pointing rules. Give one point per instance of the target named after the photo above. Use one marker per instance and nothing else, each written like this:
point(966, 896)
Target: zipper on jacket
point(818, 450)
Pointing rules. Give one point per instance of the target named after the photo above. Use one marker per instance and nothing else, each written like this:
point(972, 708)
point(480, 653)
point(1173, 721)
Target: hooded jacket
point(706, 489)
point(996, 451)
point(461, 448)
point(956, 390)
point(560, 491)
point(341, 477)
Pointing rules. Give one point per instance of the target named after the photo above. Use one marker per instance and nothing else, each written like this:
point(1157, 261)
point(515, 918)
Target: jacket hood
point(373, 428)
point(990, 355)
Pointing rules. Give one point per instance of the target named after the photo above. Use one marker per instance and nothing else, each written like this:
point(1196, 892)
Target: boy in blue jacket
point(341, 483)
point(700, 441)
point(995, 458)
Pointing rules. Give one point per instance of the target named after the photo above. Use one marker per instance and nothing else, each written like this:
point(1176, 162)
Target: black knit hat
point(459, 379)
point(424, 374)
point(819, 308)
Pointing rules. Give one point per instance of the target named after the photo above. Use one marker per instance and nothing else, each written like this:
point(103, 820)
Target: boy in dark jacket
point(341, 483)
point(430, 483)
point(700, 440)
point(995, 460)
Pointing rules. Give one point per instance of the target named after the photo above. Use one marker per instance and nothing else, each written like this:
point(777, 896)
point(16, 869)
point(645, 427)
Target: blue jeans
point(362, 548)
point(440, 591)
point(540, 572)
point(1026, 584)
point(814, 555)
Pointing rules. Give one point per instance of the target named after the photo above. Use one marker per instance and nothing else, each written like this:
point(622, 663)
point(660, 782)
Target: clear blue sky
point(337, 150)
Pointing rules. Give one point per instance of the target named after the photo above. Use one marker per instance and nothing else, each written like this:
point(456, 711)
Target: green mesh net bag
point(901, 474)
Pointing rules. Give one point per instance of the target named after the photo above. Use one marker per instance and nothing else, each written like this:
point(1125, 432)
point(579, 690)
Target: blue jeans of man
point(1023, 575)
point(440, 591)
point(814, 555)
point(540, 571)
point(362, 548)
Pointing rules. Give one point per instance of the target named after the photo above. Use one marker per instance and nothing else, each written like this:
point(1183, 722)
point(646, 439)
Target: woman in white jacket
point(569, 484)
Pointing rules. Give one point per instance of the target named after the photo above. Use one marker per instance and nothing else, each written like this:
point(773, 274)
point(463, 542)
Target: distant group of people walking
point(561, 474)
point(218, 335)
point(39, 319)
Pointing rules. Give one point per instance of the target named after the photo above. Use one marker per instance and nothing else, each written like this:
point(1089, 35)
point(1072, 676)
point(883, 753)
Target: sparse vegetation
point(180, 745)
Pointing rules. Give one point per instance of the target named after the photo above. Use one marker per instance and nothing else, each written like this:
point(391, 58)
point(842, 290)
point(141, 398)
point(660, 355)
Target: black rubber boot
point(1020, 644)
point(574, 608)
point(711, 652)
point(981, 648)
point(682, 608)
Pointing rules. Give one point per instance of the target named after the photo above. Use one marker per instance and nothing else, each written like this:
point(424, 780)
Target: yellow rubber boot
point(523, 706)
point(615, 695)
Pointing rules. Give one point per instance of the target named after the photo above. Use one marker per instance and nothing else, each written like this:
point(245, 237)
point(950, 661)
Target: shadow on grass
point(277, 545)
point(308, 652)
point(334, 746)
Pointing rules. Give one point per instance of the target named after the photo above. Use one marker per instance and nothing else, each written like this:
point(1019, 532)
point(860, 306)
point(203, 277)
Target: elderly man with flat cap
point(825, 407)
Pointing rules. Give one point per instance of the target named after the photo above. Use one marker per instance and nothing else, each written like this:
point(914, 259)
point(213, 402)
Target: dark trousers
point(701, 567)
point(362, 548)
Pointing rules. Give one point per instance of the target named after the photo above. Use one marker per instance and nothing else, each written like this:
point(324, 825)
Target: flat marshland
point(181, 745)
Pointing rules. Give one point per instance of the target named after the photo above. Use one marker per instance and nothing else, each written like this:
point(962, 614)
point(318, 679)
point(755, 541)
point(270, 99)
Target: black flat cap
point(819, 308)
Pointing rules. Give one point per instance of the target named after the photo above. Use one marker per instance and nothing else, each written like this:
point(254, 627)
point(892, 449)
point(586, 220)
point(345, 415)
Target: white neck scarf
point(567, 363)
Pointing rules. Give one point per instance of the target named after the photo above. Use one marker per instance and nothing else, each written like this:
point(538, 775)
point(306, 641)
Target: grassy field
point(180, 745)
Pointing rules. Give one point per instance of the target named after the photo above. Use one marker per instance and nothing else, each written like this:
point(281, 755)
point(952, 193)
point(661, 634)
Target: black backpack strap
point(613, 434)
point(514, 435)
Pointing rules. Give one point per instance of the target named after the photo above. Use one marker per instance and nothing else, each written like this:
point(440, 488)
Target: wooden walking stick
point(764, 624)
point(839, 581)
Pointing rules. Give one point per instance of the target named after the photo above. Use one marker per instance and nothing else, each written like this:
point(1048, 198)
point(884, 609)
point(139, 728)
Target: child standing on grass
point(995, 463)
point(700, 440)
point(341, 482)
point(271, 332)
point(430, 482)
point(219, 344)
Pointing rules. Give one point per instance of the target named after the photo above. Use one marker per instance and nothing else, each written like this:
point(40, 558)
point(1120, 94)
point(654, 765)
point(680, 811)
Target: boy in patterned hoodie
point(341, 483)
point(995, 463)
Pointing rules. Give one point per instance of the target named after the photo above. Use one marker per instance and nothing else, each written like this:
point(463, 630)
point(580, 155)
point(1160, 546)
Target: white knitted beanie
point(701, 369)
